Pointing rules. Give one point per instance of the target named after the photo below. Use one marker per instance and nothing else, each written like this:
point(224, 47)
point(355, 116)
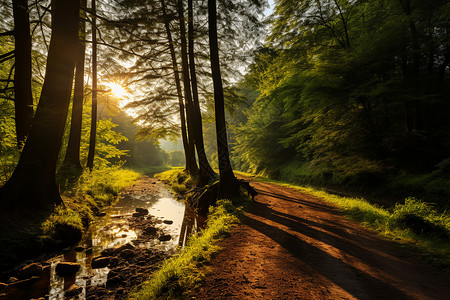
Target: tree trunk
point(33, 185)
point(72, 157)
point(93, 133)
point(187, 154)
point(23, 97)
point(229, 186)
point(187, 88)
point(206, 172)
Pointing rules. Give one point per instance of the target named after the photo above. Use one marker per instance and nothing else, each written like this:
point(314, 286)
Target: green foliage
point(108, 139)
point(348, 90)
point(176, 158)
point(181, 273)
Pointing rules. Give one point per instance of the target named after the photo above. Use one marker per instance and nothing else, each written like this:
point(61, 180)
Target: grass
point(179, 181)
point(101, 187)
point(414, 224)
point(149, 170)
point(181, 273)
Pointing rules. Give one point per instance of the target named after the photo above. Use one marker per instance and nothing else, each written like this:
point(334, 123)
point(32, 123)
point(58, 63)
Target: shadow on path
point(361, 264)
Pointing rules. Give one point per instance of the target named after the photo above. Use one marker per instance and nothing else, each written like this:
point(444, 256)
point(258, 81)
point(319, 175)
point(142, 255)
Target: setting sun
point(117, 90)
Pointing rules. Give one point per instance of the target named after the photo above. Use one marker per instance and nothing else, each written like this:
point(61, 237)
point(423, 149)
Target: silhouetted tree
point(93, 133)
point(206, 173)
point(184, 137)
point(187, 86)
point(23, 97)
point(228, 184)
point(72, 157)
point(33, 185)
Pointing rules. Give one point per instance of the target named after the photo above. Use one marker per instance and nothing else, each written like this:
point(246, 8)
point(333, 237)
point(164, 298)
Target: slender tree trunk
point(93, 133)
point(229, 186)
point(72, 157)
point(33, 185)
point(23, 97)
point(206, 172)
point(184, 137)
point(187, 87)
point(344, 23)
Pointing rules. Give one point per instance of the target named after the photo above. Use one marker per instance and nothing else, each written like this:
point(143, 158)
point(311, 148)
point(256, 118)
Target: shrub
point(420, 218)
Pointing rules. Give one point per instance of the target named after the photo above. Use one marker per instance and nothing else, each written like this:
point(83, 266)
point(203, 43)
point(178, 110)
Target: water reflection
point(112, 231)
point(191, 222)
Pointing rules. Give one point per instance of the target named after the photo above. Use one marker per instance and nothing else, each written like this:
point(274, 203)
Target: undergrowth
point(181, 273)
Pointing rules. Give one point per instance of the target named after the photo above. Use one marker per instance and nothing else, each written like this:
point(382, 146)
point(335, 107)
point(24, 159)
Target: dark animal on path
point(251, 191)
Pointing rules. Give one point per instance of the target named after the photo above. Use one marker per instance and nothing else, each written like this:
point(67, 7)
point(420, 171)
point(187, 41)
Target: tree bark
point(229, 186)
point(184, 137)
point(23, 97)
point(93, 133)
point(72, 157)
point(206, 172)
point(187, 88)
point(33, 185)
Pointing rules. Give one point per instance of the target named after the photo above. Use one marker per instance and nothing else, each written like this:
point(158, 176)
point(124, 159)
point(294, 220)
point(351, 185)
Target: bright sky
point(269, 10)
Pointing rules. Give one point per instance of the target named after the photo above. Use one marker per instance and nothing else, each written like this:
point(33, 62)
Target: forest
point(292, 102)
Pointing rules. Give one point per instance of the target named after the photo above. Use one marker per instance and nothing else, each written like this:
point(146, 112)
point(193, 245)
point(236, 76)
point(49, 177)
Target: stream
point(125, 245)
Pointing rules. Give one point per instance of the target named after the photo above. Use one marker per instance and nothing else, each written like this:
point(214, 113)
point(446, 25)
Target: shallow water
point(112, 231)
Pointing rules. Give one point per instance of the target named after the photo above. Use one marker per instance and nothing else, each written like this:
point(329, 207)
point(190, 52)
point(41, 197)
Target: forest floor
point(291, 245)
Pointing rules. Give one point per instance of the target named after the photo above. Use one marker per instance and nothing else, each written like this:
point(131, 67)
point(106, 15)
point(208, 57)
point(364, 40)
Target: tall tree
point(206, 172)
point(72, 157)
point(187, 86)
point(23, 97)
point(93, 133)
point(33, 185)
point(184, 137)
point(228, 186)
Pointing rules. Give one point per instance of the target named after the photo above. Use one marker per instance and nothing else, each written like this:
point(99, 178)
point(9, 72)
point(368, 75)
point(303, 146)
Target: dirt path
point(294, 246)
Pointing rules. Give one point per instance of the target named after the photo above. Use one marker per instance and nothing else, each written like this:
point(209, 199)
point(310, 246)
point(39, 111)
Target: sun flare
point(117, 90)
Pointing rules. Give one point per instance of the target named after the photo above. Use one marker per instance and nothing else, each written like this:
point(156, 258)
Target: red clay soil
point(291, 245)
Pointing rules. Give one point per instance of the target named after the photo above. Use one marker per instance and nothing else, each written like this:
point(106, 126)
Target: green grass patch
point(414, 224)
point(181, 273)
point(150, 170)
point(180, 182)
point(102, 185)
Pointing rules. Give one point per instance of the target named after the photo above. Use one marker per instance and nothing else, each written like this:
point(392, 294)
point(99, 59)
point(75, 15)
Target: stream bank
point(118, 252)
